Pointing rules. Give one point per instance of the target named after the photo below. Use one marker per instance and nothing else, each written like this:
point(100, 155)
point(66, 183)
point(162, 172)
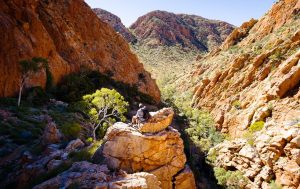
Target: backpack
point(146, 114)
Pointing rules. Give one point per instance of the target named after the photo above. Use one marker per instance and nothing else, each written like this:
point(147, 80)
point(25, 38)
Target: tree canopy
point(104, 106)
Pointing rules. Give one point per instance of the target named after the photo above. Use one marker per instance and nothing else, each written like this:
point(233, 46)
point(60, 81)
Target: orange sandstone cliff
point(69, 35)
point(252, 82)
point(255, 68)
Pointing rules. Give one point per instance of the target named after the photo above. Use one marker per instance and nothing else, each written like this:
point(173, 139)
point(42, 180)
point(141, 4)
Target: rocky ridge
point(254, 78)
point(116, 23)
point(161, 28)
point(59, 31)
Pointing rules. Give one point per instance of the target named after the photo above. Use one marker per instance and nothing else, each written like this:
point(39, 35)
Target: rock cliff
point(252, 79)
point(241, 82)
point(116, 23)
point(70, 36)
point(161, 28)
point(160, 154)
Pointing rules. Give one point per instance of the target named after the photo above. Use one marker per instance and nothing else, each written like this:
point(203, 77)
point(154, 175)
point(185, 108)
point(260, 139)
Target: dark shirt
point(140, 113)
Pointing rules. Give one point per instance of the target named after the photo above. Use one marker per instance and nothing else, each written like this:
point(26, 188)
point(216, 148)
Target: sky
point(232, 11)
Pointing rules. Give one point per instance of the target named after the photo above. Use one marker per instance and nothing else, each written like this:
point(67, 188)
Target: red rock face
point(256, 69)
point(115, 22)
point(70, 36)
point(164, 28)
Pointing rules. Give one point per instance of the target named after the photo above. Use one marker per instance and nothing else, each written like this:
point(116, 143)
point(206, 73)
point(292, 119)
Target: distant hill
point(115, 22)
point(161, 28)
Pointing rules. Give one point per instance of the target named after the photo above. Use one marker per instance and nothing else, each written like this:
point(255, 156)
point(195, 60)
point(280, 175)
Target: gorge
point(224, 100)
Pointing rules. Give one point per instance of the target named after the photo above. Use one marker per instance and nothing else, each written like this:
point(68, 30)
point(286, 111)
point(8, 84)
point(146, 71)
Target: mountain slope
point(251, 86)
point(161, 28)
point(116, 23)
point(69, 35)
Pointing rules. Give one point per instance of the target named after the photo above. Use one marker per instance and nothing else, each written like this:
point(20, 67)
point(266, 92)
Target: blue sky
point(233, 11)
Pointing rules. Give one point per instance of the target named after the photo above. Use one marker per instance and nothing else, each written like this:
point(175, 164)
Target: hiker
point(141, 116)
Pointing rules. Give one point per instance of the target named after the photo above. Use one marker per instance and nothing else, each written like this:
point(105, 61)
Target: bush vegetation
point(202, 130)
point(274, 185)
point(103, 108)
point(71, 129)
point(230, 179)
point(85, 154)
point(237, 104)
point(74, 86)
point(250, 134)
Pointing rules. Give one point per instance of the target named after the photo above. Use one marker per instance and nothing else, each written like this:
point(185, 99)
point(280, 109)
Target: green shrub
point(250, 134)
point(36, 96)
point(276, 56)
point(249, 137)
point(89, 140)
point(6, 102)
point(274, 185)
point(212, 156)
point(230, 179)
point(71, 129)
point(237, 104)
point(85, 154)
point(74, 86)
point(49, 79)
point(257, 126)
point(103, 108)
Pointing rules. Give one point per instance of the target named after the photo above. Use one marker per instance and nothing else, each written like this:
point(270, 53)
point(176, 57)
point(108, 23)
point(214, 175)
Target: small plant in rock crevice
point(237, 104)
point(249, 135)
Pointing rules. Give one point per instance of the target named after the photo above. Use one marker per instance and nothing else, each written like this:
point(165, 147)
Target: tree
point(104, 106)
point(28, 68)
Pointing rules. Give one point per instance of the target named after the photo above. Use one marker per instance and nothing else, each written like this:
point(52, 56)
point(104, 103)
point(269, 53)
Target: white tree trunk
point(94, 135)
point(20, 93)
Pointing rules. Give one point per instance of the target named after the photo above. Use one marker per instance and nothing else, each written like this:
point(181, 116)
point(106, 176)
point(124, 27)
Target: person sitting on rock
point(141, 116)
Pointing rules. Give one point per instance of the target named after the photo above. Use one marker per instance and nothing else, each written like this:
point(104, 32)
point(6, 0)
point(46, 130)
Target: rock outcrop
point(115, 22)
point(51, 134)
point(159, 121)
point(126, 159)
point(160, 154)
point(52, 158)
point(275, 153)
point(161, 28)
point(254, 71)
point(88, 175)
point(70, 35)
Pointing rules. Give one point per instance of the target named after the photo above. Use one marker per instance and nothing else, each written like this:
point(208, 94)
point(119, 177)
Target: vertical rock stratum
point(251, 86)
point(70, 36)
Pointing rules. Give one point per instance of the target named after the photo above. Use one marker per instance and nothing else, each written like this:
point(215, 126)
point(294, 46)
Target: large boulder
point(88, 175)
point(185, 179)
point(159, 121)
point(159, 153)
